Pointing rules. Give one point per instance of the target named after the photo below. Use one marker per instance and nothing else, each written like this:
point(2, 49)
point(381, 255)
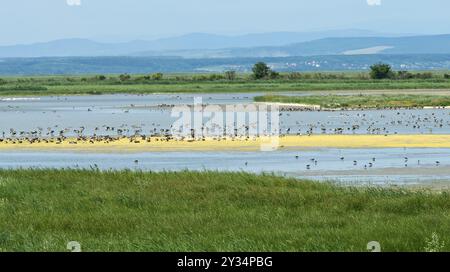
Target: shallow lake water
point(358, 165)
point(142, 112)
point(148, 113)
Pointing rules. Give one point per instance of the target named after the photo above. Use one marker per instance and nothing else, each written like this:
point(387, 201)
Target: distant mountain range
point(274, 44)
point(436, 44)
point(277, 44)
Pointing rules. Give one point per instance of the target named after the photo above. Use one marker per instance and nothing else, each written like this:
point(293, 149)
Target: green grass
point(42, 210)
point(59, 85)
point(362, 101)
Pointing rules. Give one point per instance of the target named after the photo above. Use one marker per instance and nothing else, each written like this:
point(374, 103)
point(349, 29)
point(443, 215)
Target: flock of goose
point(383, 122)
point(427, 122)
point(412, 122)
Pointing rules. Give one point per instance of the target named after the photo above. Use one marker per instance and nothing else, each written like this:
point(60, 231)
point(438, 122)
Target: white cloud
point(374, 2)
point(73, 2)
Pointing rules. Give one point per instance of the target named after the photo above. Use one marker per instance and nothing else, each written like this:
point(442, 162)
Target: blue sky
point(26, 21)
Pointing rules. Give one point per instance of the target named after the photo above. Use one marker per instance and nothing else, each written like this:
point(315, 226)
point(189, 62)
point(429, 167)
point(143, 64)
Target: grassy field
point(362, 101)
point(141, 84)
point(42, 210)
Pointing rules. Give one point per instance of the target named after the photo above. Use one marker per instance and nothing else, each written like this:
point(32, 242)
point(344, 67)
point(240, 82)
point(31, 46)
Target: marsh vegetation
point(263, 80)
point(361, 101)
point(42, 210)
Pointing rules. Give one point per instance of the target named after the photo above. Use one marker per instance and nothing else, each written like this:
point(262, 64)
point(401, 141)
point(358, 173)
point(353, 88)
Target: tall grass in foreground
point(42, 210)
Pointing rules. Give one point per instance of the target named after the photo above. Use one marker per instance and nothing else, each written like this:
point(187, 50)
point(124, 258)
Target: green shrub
point(230, 75)
point(124, 77)
point(157, 76)
point(261, 70)
point(381, 71)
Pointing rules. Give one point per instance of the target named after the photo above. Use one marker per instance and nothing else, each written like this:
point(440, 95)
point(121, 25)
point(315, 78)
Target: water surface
point(150, 113)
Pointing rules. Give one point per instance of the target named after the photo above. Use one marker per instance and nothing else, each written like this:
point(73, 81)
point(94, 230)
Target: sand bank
point(284, 142)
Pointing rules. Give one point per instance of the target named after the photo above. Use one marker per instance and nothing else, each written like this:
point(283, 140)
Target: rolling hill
point(436, 44)
point(192, 45)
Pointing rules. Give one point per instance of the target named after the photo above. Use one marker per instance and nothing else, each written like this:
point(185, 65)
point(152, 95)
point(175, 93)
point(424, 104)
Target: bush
point(261, 70)
point(404, 75)
point(426, 75)
point(381, 71)
point(274, 75)
point(157, 76)
point(230, 75)
point(124, 77)
point(446, 76)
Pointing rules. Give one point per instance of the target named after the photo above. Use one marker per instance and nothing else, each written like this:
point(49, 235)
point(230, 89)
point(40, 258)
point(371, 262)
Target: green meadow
point(362, 101)
point(212, 83)
point(42, 210)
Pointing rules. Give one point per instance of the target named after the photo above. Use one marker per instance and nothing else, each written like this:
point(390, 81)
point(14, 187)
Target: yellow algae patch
point(241, 144)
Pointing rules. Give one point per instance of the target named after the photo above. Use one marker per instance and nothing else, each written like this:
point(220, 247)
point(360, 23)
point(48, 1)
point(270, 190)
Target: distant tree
point(404, 75)
point(158, 76)
point(124, 77)
point(101, 77)
point(426, 75)
point(230, 75)
point(261, 70)
point(381, 71)
point(446, 76)
point(2, 81)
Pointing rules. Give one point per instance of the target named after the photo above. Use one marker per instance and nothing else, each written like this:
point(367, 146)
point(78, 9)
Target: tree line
point(260, 71)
